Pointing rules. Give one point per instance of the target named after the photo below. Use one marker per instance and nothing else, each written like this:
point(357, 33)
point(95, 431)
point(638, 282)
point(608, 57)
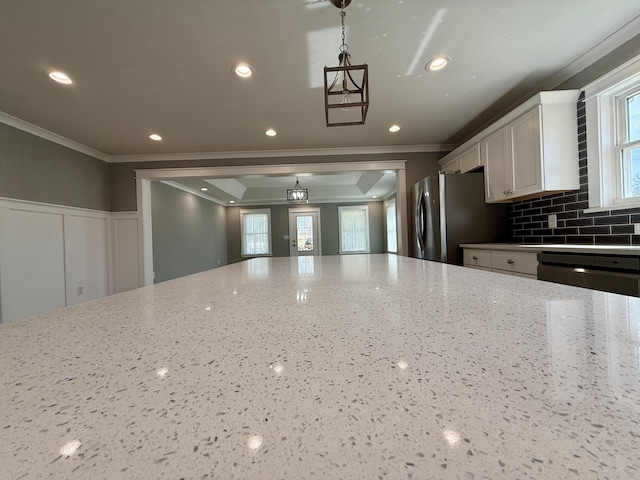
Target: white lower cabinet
point(521, 264)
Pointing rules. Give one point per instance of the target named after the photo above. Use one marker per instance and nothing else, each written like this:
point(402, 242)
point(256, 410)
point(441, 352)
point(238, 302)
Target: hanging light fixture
point(346, 87)
point(297, 194)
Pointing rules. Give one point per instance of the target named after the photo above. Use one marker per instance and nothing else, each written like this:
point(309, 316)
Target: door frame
point(317, 234)
point(144, 177)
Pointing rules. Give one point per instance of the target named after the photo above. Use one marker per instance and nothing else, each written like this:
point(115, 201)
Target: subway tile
point(567, 215)
point(520, 220)
point(629, 210)
point(635, 219)
point(542, 232)
point(554, 239)
point(613, 239)
point(521, 206)
point(602, 230)
point(532, 225)
point(565, 199)
point(621, 229)
point(583, 197)
point(580, 239)
point(552, 209)
point(635, 239)
point(565, 231)
point(611, 220)
point(579, 206)
point(540, 218)
point(579, 222)
point(532, 240)
point(582, 163)
point(543, 202)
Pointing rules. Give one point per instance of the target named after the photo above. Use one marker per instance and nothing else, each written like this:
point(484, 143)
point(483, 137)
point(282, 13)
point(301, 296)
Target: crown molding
point(597, 52)
point(52, 137)
point(165, 157)
point(168, 157)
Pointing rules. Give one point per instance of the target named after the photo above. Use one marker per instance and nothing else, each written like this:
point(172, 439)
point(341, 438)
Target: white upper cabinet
point(452, 166)
point(531, 151)
point(470, 159)
point(536, 153)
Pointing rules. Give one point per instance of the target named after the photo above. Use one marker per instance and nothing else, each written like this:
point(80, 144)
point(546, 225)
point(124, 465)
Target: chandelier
point(346, 87)
point(297, 194)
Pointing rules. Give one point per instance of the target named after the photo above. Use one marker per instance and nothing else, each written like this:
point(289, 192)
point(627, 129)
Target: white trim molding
point(52, 137)
point(600, 105)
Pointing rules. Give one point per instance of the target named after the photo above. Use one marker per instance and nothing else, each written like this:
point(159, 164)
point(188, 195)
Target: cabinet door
point(451, 166)
point(470, 159)
point(525, 153)
point(497, 166)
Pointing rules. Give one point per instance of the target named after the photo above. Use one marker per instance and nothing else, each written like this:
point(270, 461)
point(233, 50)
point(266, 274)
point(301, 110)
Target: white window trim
point(602, 129)
point(353, 207)
point(242, 243)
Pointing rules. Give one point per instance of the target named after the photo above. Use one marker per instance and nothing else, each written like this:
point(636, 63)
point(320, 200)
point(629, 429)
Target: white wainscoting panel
point(53, 256)
point(33, 270)
point(126, 263)
point(87, 248)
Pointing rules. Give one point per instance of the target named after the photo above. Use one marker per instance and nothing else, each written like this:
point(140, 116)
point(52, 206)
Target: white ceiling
point(165, 66)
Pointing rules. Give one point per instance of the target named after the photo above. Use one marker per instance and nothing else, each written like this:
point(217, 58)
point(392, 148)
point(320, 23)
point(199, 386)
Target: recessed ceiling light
point(438, 63)
point(155, 136)
point(204, 189)
point(60, 77)
point(374, 196)
point(271, 132)
point(232, 201)
point(243, 70)
point(394, 128)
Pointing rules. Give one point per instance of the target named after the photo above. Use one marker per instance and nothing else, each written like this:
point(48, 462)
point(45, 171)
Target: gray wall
point(35, 169)
point(328, 229)
point(189, 233)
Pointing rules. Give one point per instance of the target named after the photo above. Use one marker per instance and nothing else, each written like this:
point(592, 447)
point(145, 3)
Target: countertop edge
point(515, 247)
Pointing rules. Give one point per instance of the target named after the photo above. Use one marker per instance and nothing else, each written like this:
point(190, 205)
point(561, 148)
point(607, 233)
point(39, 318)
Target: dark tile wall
point(528, 219)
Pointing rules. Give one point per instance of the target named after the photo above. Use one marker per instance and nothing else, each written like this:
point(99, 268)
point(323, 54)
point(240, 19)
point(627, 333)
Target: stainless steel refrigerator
point(450, 210)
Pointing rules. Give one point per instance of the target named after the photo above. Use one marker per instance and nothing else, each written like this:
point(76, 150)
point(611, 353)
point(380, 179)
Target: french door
point(304, 231)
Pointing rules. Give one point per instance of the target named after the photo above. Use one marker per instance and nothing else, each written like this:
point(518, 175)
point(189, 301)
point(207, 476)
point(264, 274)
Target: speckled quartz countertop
point(599, 249)
point(351, 367)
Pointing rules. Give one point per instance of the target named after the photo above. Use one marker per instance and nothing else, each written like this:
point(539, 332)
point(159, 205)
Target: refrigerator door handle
point(421, 222)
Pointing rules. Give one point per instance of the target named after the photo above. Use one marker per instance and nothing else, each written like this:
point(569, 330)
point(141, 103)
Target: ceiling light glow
point(232, 201)
point(60, 77)
point(243, 70)
point(155, 136)
point(438, 63)
point(204, 189)
point(394, 128)
point(271, 132)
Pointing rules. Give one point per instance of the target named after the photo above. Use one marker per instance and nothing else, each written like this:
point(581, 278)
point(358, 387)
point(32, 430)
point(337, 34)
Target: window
point(353, 225)
point(628, 145)
point(255, 226)
point(613, 138)
point(392, 236)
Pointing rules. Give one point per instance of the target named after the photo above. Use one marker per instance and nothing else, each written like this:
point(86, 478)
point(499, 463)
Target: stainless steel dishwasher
point(610, 273)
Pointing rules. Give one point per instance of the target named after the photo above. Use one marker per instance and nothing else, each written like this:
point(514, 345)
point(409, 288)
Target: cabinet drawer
point(517, 262)
point(477, 258)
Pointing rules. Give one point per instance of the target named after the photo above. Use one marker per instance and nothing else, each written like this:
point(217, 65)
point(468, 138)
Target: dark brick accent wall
point(528, 219)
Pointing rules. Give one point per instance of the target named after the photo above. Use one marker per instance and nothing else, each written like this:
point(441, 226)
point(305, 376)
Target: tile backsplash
point(529, 219)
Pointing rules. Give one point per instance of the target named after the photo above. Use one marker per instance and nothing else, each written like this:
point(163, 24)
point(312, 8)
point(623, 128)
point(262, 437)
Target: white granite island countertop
point(350, 367)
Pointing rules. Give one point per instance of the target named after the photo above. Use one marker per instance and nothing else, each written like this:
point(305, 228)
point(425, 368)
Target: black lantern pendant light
point(346, 87)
